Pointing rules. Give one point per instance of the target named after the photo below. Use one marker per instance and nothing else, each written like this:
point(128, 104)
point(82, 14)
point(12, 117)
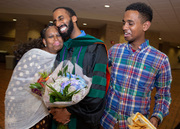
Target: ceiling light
point(50, 21)
point(160, 38)
point(84, 24)
point(14, 19)
point(106, 6)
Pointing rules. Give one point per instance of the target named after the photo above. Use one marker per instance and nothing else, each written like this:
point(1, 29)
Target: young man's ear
point(146, 25)
point(74, 19)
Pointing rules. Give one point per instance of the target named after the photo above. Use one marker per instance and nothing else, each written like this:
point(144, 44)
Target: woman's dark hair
point(145, 10)
point(24, 47)
point(34, 43)
point(69, 10)
point(43, 32)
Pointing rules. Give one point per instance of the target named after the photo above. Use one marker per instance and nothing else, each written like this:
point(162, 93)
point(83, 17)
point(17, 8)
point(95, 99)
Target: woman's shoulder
point(34, 50)
point(37, 53)
point(40, 52)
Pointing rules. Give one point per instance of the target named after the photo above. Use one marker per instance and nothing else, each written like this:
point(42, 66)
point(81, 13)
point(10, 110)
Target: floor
point(170, 122)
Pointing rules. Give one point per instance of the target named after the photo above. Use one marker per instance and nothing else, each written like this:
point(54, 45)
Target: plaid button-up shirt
point(133, 77)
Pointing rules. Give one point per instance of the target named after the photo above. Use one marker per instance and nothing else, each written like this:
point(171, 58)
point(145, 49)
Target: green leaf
point(74, 92)
point(65, 91)
point(57, 94)
point(36, 85)
point(53, 79)
point(60, 73)
point(69, 75)
point(52, 99)
point(65, 70)
point(44, 74)
point(53, 94)
point(62, 126)
point(69, 96)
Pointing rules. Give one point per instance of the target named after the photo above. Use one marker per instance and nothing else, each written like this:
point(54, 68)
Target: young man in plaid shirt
point(136, 69)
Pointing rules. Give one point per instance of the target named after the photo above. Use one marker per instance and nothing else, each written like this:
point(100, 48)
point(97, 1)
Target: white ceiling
point(166, 13)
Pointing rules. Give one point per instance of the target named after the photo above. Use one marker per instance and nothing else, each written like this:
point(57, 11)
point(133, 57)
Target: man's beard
point(69, 31)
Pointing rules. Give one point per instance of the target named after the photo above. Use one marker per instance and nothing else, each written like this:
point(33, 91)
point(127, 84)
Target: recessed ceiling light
point(84, 24)
point(160, 38)
point(14, 19)
point(106, 6)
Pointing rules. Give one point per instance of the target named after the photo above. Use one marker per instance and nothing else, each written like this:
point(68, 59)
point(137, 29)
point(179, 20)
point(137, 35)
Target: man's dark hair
point(145, 10)
point(69, 10)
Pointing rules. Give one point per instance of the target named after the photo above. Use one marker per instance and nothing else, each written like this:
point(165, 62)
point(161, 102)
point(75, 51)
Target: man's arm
point(163, 95)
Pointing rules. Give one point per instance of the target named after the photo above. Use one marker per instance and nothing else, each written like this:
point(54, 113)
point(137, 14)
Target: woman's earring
point(45, 45)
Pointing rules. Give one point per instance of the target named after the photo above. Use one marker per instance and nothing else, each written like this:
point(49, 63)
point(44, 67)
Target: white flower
point(76, 98)
point(71, 89)
point(56, 86)
point(79, 96)
point(58, 81)
point(83, 91)
point(61, 79)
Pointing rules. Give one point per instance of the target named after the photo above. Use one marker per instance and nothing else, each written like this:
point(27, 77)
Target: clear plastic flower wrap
point(62, 88)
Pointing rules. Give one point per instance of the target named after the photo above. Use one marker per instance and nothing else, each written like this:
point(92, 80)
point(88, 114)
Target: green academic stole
point(79, 46)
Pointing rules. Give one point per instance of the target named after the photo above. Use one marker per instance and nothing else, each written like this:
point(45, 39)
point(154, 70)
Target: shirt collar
point(142, 46)
point(82, 34)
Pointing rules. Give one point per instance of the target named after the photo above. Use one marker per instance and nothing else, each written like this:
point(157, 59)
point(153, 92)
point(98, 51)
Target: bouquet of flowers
point(62, 88)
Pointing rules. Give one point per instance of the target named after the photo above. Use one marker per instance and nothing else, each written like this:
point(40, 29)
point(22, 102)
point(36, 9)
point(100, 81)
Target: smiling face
point(133, 27)
point(63, 21)
point(53, 40)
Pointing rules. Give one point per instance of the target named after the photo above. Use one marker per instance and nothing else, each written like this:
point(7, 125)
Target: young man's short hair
point(145, 10)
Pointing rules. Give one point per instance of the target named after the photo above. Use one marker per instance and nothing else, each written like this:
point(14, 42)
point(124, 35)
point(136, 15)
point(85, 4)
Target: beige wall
point(34, 29)
point(153, 38)
point(26, 29)
point(7, 36)
point(173, 53)
point(7, 29)
point(12, 33)
point(112, 33)
point(22, 28)
point(92, 31)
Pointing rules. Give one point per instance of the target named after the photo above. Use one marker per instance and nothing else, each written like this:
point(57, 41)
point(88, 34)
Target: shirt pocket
point(146, 80)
